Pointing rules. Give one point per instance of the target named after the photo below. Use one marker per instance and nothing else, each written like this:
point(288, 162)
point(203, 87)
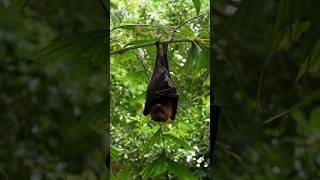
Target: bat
point(161, 98)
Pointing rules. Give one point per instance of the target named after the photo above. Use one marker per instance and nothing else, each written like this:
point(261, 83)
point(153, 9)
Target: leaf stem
point(164, 150)
point(185, 22)
point(162, 140)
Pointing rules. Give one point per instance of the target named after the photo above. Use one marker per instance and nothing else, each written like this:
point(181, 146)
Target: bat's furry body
point(162, 97)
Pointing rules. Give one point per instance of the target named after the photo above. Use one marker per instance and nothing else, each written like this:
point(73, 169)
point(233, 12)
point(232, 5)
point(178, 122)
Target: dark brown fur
point(162, 97)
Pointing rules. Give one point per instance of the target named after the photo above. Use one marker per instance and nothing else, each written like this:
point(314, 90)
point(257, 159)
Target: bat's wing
point(146, 110)
point(174, 106)
point(161, 86)
point(156, 84)
point(171, 94)
point(165, 57)
point(148, 103)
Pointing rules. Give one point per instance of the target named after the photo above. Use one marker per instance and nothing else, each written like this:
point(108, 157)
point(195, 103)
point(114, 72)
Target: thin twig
point(145, 69)
point(164, 149)
point(277, 116)
point(185, 22)
point(162, 139)
point(153, 43)
point(124, 25)
point(259, 88)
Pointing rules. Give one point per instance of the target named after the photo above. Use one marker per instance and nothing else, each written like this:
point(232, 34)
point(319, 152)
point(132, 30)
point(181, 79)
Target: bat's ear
point(159, 56)
point(165, 56)
point(165, 47)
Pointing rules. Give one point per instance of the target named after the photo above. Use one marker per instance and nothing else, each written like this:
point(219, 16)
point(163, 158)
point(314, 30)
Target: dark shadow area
point(267, 79)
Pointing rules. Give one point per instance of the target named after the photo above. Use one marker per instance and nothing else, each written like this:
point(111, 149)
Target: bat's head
point(161, 112)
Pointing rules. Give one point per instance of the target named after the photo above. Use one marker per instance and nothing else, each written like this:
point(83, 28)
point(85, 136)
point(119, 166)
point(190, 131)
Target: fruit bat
point(161, 98)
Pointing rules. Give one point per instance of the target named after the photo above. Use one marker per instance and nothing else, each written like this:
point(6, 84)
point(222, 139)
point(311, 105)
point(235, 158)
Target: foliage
point(266, 73)
point(179, 149)
point(48, 128)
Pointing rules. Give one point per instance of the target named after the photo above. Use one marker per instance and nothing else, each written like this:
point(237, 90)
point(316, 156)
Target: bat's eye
point(157, 108)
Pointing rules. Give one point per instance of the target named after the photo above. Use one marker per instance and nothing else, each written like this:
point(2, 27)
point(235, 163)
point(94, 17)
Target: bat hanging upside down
point(162, 98)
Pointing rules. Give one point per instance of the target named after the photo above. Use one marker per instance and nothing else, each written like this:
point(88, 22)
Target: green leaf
point(141, 98)
point(180, 171)
point(251, 13)
point(207, 81)
point(197, 60)
point(289, 11)
point(112, 177)
point(298, 28)
point(138, 76)
point(284, 43)
point(315, 95)
point(192, 57)
point(298, 116)
point(157, 167)
point(155, 139)
point(285, 38)
point(113, 4)
point(90, 45)
point(314, 123)
point(197, 5)
point(178, 141)
point(126, 56)
point(114, 152)
point(312, 62)
point(187, 32)
point(203, 61)
point(116, 20)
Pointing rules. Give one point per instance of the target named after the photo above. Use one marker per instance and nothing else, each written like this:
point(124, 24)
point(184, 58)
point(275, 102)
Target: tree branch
point(120, 51)
point(125, 25)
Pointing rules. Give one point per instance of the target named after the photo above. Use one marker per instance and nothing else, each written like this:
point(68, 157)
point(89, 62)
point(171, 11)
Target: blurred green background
point(267, 56)
point(43, 98)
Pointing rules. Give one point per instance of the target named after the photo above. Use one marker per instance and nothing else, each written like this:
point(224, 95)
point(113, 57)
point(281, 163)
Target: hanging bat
point(162, 98)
